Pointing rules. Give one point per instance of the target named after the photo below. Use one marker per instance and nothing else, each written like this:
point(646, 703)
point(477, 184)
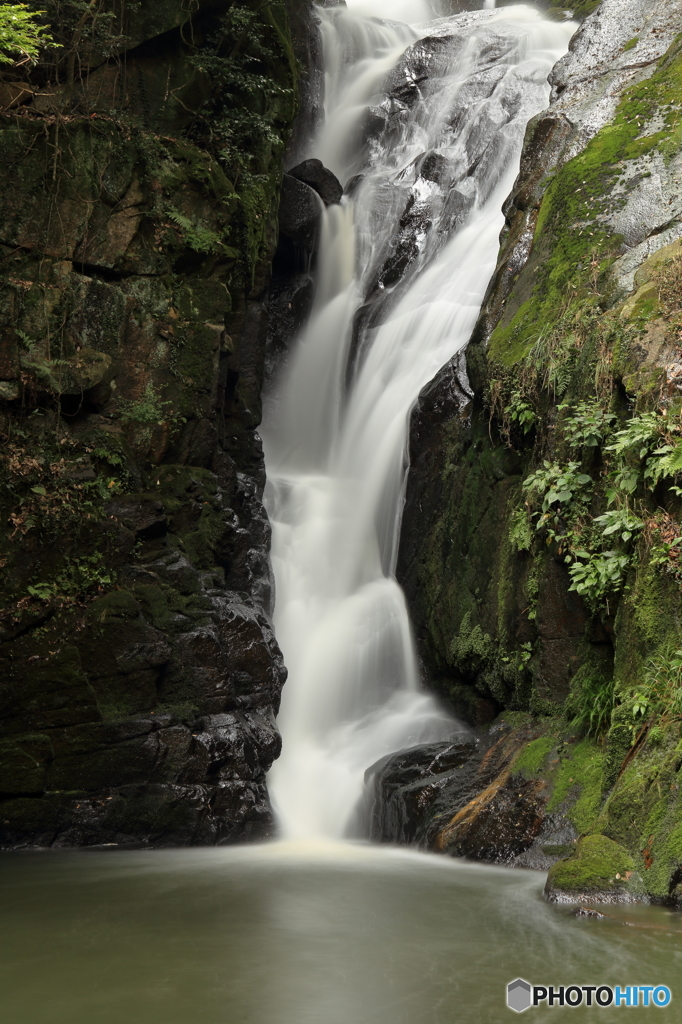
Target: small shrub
point(588, 425)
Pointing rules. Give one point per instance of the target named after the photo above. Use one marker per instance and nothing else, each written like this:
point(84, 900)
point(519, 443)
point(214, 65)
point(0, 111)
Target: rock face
point(465, 799)
point(474, 596)
point(521, 595)
point(598, 870)
point(318, 177)
point(140, 673)
point(299, 215)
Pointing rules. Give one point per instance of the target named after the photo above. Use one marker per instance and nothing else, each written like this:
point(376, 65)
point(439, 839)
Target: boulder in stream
point(318, 177)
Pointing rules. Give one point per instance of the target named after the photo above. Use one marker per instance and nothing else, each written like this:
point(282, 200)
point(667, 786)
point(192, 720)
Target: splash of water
point(335, 456)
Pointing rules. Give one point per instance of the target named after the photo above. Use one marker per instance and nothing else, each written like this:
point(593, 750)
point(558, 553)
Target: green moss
point(572, 250)
point(649, 618)
point(644, 810)
point(598, 864)
point(579, 9)
point(154, 603)
point(578, 778)
point(533, 756)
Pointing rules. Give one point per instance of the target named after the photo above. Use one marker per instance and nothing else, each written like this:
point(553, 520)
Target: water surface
point(303, 934)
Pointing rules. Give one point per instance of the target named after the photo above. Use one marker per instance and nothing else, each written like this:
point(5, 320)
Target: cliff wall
point(140, 165)
point(542, 527)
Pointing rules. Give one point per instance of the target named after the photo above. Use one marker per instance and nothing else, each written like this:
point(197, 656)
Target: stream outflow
point(429, 119)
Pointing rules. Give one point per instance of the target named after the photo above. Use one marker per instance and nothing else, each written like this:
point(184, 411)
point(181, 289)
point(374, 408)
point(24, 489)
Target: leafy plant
point(521, 412)
point(200, 238)
point(637, 437)
point(590, 706)
point(596, 575)
point(557, 485)
point(239, 59)
point(588, 425)
point(520, 533)
point(668, 464)
point(659, 697)
point(76, 578)
point(20, 37)
point(147, 409)
point(620, 521)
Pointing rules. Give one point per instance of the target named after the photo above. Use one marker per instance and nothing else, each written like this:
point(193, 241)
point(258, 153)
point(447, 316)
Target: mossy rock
point(117, 605)
point(599, 870)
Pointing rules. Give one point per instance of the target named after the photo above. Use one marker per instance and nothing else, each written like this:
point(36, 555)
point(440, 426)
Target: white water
point(335, 458)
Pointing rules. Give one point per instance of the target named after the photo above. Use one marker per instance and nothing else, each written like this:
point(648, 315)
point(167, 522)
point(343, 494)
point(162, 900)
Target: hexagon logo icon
point(518, 995)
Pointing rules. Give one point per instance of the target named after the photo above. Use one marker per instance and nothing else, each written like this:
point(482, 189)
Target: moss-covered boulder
point(599, 869)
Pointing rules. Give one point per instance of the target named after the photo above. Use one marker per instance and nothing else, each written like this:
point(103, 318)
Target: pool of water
point(304, 934)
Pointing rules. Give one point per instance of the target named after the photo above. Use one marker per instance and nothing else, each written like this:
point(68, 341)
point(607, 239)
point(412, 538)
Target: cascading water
point(431, 118)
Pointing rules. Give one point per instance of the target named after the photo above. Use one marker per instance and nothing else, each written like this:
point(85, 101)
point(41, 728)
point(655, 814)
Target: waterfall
point(431, 118)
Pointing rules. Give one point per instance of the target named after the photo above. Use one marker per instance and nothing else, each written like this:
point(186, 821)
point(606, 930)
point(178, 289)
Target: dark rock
point(319, 178)
point(404, 791)
point(372, 126)
point(598, 869)
point(352, 184)
point(138, 696)
point(299, 214)
point(306, 41)
point(463, 799)
point(561, 623)
point(291, 303)
point(43, 692)
point(587, 912)
point(499, 824)
point(145, 517)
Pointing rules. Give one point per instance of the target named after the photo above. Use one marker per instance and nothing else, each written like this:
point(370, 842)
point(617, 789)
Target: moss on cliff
point(574, 246)
point(576, 443)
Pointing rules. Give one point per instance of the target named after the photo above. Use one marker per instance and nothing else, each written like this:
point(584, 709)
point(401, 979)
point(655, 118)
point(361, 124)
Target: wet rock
point(405, 791)
point(299, 214)
point(463, 798)
point(587, 86)
point(461, 486)
point(587, 912)
point(137, 707)
point(499, 824)
point(145, 517)
point(306, 38)
point(319, 178)
point(291, 302)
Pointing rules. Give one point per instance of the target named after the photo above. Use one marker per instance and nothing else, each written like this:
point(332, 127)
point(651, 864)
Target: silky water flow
point(428, 120)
